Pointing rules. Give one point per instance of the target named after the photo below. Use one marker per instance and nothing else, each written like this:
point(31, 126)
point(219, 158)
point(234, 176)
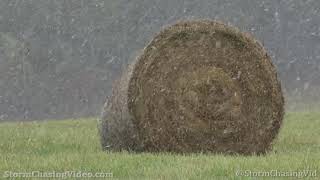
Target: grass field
point(73, 145)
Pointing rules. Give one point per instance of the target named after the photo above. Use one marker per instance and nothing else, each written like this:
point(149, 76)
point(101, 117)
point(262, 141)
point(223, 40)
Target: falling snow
point(59, 59)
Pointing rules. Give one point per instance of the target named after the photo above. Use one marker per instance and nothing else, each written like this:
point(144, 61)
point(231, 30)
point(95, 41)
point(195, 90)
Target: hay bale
point(199, 86)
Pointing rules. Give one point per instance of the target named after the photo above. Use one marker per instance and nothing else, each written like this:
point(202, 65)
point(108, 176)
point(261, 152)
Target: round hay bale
point(199, 86)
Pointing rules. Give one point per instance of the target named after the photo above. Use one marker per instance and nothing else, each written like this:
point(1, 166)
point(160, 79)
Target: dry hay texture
point(199, 86)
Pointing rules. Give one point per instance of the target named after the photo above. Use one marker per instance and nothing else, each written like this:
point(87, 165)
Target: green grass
point(73, 145)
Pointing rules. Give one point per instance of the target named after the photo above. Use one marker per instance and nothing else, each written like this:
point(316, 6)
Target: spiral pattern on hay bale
point(199, 86)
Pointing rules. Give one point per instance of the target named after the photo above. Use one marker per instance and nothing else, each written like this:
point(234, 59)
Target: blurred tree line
point(58, 58)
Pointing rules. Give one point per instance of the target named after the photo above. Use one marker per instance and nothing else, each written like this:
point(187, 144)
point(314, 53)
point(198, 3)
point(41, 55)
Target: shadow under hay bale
point(199, 86)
